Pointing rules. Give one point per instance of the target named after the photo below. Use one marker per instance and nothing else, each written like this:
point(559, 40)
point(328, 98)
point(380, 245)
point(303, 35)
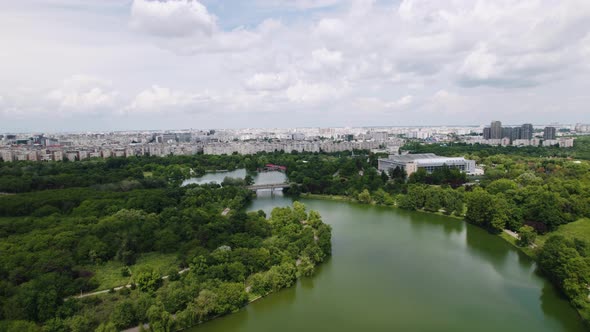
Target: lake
point(395, 270)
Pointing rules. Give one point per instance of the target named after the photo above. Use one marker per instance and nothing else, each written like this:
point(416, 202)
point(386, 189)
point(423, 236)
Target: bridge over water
point(269, 186)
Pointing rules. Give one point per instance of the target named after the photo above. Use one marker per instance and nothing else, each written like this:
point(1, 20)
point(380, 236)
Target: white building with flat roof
point(429, 161)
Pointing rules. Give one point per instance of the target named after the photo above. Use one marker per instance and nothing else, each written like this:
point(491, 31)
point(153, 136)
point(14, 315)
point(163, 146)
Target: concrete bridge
point(270, 186)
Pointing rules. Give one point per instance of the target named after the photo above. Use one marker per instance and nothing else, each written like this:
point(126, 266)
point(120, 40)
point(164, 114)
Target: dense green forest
point(54, 241)
point(61, 224)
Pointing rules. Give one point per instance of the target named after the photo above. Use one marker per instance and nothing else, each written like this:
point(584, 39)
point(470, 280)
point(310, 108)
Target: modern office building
point(429, 161)
point(549, 133)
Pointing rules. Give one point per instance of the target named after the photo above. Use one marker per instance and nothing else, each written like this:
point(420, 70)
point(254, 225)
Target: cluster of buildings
point(289, 146)
point(523, 135)
point(80, 146)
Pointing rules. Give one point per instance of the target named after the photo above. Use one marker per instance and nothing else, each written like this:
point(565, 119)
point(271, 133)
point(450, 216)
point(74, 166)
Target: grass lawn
point(578, 229)
point(109, 274)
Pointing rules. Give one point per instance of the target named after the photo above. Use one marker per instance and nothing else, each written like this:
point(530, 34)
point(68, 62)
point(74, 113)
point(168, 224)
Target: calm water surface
point(259, 178)
point(393, 270)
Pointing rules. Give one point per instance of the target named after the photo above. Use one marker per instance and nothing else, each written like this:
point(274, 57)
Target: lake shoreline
point(527, 251)
point(339, 198)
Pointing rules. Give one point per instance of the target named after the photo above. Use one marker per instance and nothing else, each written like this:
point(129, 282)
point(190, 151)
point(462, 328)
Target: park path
point(515, 235)
point(120, 287)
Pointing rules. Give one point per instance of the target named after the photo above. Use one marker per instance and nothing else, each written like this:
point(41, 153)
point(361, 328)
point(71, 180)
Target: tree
point(501, 186)
point(187, 317)
point(160, 320)
point(231, 297)
point(249, 180)
point(397, 173)
point(208, 303)
point(305, 267)
point(174, 296)
point(480, 208)
point(365, 197)
point(55, 325)
point(526, 236)
point(259, 285)
point(79, 323)
point(433, 199)
point(148, 281)
point(123, 315)
point(106, 327)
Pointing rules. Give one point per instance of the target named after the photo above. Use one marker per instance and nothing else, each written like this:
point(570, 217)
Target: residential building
point(549, 133)
point(526, 131)
point(496, 130)
point(487, 133)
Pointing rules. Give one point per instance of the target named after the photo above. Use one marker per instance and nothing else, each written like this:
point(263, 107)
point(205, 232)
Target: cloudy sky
point(143, 64)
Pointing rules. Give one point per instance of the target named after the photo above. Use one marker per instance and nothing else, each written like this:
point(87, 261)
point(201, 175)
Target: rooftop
point(421, 157)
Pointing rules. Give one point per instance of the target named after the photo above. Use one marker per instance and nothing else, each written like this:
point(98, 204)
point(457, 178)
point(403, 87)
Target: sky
point(82, 65)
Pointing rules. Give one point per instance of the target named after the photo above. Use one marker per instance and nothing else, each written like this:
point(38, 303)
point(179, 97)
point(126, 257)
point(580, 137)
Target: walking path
point(515, 235)
point(121, 287)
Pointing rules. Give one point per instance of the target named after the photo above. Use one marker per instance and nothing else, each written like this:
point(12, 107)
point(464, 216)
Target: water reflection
point(558, 310)
point(217, 177)
point(495, 252)
point(420, 220)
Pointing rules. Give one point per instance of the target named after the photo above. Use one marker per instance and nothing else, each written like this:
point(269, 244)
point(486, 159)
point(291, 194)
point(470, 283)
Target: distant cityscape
point(524, 135)
point(81, 146)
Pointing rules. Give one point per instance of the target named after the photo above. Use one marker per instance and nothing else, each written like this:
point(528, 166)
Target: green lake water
point(394, 270)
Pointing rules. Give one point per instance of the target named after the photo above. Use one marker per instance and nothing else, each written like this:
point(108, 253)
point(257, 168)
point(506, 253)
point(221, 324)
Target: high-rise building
point(515, 134)
point(549, 133)
point(487, 133)
point(526, 131)
point(507, 132)
point(496, 130)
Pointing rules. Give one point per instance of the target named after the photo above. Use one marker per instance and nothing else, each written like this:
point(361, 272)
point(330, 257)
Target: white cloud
point(174, 18)
point(326, 58)
point(306, 92)
point(80, 94)
point(431, 58)
point(158, 99)
point(299, 4)
point(267, 81)
point(369, 104)
point(187, 28)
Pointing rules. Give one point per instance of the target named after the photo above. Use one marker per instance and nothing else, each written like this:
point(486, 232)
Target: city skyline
point(137, 64)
